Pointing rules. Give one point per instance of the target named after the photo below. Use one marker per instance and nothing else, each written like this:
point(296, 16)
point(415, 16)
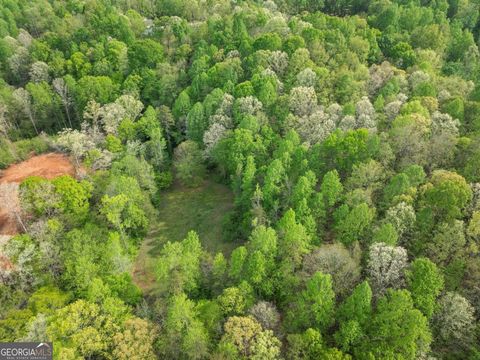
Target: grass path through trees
point(182, 209)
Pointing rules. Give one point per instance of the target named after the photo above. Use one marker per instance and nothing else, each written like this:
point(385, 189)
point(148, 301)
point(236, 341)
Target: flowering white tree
point(392, 109)
point(266, 314)
point(454, 321)
point(443, 139)
point(278, 62)
point(37, 329)
point(220, 121)
point(46, 236)
point(76, 142)
point(444, 123)
point(348, 122)
point(111, 116)
point(444, 95)
point(24, 254)
point(24, 38)
point(212, 136)
point(249, 105)
point(303, 100)
point(91, 113)
point(335, 112)
point(417, 77)
point(386, 265)
point(132, 106)
point(475, 203)
point(379, 76)
point(365, 113)
point(278, 23)
point(226, 106)
point(338, 261)
point(39, 72)
point(315, 127)
point(307, 77)
point(19, 62)
point(402, 217)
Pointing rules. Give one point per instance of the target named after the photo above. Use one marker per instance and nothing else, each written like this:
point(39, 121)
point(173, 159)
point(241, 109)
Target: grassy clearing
point(183, 209)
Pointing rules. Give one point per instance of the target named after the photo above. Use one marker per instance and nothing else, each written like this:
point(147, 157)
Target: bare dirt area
point(47, 166)
point(9, 208)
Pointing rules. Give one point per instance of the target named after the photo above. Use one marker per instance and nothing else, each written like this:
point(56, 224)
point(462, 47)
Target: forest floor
point(182, 209)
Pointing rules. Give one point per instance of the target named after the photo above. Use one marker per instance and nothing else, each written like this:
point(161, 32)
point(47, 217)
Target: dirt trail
point(47, 166)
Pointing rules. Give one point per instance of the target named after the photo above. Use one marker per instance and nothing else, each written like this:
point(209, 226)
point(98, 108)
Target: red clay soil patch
point(47, 166)
point(8, 223)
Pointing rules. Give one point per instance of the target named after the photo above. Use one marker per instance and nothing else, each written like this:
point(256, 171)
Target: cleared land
point(182, 209)
point(47, 166)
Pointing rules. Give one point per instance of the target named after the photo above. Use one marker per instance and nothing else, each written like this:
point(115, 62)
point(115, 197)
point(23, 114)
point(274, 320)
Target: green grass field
point(182, 209)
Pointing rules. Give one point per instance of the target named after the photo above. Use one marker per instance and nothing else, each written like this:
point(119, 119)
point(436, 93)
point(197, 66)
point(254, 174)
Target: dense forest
point(347, 131)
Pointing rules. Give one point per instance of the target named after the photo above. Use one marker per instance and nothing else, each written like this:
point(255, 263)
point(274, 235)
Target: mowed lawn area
point(182, 209)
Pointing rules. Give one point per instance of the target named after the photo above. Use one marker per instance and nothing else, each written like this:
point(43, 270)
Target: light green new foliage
point(303, 190)
point(219, 269)
point(236, 300)
point(353, 315)
point(397, 329)
point(355, 224)
point(264, 239)
point(237, 261)
point(196, 123)
point(178, 266)
point(248, 178)
point(256, 270)
point(266, 347)
point(74, 195)
point(138, 169)
point(425, 282)
point(123, 214)
point(38, 196)
point(348, 334)
point(447, 194)
point(182, 105)
point(188, 163)
point(86, 328)
point(294, 241)
point(308, 345)
point(184, 334)
point(273, 180)
point(262, 180)
point(136, 341)
point(358, 306)
point(386, 233)
point(315, 305)
point(331, 188)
